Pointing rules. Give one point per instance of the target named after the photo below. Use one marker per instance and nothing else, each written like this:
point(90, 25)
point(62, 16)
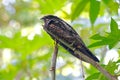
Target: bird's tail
point(89, 54)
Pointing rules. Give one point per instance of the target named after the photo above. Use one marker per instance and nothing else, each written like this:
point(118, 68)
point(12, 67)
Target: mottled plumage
point(66, 36)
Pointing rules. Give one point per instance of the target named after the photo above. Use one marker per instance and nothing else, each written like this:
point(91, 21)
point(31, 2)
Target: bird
point(66, 36)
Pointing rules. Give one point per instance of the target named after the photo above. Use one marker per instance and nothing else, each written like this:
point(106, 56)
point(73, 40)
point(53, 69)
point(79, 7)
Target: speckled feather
point(66, 36)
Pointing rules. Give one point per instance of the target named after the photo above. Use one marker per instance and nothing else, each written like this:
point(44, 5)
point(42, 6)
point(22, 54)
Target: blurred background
point(26, 49)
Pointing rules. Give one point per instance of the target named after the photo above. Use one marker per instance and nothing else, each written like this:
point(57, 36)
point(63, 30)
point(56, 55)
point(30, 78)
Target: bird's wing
point(67, 37)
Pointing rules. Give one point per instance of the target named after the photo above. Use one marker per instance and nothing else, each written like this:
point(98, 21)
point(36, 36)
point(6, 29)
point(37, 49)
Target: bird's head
point(50, 18)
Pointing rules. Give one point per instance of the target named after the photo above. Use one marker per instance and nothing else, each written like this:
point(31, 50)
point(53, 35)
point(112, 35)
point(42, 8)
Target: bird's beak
point(45, 20)
point(42, 20)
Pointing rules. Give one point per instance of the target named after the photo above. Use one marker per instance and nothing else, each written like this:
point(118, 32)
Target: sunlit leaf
point(112, 6)
point(94, 10)
point(50, 6)
point(97, 37)
point(79, 8)
point(93, 76)
point(111, 67)
point(112, 39)
point(114, 27)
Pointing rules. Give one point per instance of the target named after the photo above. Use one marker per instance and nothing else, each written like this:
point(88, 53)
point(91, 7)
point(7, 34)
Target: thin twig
point(53, 62)
point(82, 70)
point(19, 75)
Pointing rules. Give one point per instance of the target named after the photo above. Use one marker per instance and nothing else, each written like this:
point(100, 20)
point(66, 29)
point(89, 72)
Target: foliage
point(25, 49)
point(111, 39)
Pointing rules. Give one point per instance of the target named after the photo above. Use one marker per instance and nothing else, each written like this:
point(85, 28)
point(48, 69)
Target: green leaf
point(49, 6)
point(93, 76)
point(111, 67)
point(23, 44)
point(97, 37)
point(112, 6)
point(111, 39)
point(114, 27)
point(94, 10)
point(79, 8)
point(98, 43)
point(5, 42)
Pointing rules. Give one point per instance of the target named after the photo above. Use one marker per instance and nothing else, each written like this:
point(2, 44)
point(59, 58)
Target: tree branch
point(96, 64)
point(53, 62)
